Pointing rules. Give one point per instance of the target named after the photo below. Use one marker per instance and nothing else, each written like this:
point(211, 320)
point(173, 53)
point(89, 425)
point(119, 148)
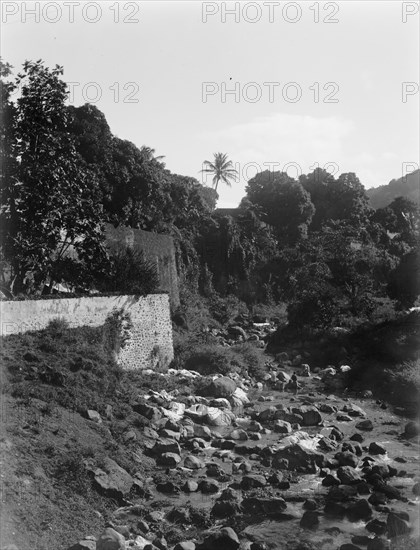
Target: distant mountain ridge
point(408, 186)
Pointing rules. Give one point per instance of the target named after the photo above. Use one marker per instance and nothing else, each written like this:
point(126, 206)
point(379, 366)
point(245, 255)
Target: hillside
point(407, 186)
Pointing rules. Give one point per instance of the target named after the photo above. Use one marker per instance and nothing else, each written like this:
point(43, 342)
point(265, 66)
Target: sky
point(275, 85)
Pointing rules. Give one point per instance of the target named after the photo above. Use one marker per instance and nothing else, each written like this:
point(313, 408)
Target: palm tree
point(221, 168)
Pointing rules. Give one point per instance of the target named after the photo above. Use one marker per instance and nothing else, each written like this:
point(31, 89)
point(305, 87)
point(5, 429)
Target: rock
point(85, 544)
point(396, 526)
point(168, 488)
point(310, 414)
point(411, 429)
point(190, 486)
point(219, 417)
point(377, 499)
point(166, 446)
point(347, 458)
point(267, 506)
point(225, 508)
point(349, 546)
point(186, 545)
point(376, 526)
point(112, 480)
point(353, 410)
point(376, 449)
point(377, 544)
point(335, 509)
point(222, 387)
point(252, 481)
point(283, 376)
point(348, 475)
point(94, 416)
point(282, 427)
point(327, 408)
point(208, 486)
point(268, 414)
point(193, 463)
point(299, 458)
point(416, 489)
point(330, 480)
point(225, 539)
point(365, 425)
point(110, 539)
point(238, 435)
point(254, 426)
point(359, 510)
point(148, 411)
point(363, 540)
point(203, 432)
point(357, 437)
point(344, 418)
point(168, 459)
point(310, 520)
point(342, 493)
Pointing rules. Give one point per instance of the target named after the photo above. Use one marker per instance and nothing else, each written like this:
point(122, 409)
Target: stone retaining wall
point(150, 342)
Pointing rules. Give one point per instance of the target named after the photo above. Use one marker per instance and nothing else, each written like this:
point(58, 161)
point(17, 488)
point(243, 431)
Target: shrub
point(130, 273)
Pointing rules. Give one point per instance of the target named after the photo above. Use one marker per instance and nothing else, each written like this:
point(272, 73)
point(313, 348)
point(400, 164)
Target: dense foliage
point(314, 243)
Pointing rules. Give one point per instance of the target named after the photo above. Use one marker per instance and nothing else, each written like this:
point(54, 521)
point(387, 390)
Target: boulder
point(299, 458)
point(253, 481)
point(110, 539)
point(225, 539)
point(282, 427)
point(330, 480)
point(396, 526)
point(190, 486)
point(88, 543)
point(327, 408)
point(94, 416)
point(353, 410)
point(219, 417)
point(310, 414)
point(185, 545)
point(112, 480)
point(412, 429)
point(347, 458)
point(148, 411)
point(310, 520)
point(193, 463)
point(348, 475)
point(171, 460)
point(166, 445)
point(267, 506)
point(221, 387)
point(376, 526)
point(359, 510)
point(376, 449)
point(208, 486)
point(365, 425)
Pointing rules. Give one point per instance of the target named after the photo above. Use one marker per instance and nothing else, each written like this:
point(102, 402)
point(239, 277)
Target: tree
point(221, 168)
point(344, 199)
point(284, 204)
point(404, 280)
point(50, 203)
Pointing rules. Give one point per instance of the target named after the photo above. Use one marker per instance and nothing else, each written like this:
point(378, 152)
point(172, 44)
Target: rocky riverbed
point(250, 466)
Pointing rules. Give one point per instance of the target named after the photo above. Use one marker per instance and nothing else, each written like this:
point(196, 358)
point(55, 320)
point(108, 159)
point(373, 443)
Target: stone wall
point(150, 341)
point(156, 247)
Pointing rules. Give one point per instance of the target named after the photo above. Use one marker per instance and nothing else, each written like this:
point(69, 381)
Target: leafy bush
point(130, 273)
point(314, 309)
